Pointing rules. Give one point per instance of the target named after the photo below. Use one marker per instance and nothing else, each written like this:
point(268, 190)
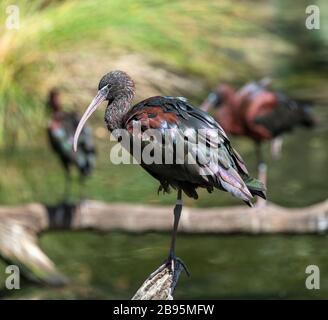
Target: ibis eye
point(105, 89)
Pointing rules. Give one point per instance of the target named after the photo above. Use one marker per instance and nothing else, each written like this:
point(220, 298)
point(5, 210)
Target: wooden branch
point(19, 226)
point(20, 247)
point(161, 284)
point(238, 219)
point(19, 244)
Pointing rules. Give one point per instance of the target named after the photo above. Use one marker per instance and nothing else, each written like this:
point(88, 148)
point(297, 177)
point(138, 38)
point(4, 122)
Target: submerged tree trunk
point(19, 227)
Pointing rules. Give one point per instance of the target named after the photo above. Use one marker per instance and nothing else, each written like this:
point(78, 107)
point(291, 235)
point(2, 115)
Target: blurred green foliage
point(211, 39)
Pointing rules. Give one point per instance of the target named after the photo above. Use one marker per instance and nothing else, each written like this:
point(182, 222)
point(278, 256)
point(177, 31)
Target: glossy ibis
point(61, 128)
point(225, 170)
point(257, 113)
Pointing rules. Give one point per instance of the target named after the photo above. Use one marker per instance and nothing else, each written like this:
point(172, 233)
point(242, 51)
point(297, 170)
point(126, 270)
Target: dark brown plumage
point(225, 169)
point(258, 113)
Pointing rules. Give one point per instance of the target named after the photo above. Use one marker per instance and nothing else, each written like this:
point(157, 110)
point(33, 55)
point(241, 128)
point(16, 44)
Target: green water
point(113, 266)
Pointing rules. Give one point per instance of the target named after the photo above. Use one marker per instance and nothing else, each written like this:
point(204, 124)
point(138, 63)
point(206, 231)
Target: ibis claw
point(171, 263)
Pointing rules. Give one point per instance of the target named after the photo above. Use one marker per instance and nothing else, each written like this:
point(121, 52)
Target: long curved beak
point(95, 103)
point(206, 105)
point(211, 101)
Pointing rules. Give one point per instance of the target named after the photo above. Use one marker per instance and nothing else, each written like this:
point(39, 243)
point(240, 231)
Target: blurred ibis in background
point(225, 169)
point(258, 113)
point(61, 128)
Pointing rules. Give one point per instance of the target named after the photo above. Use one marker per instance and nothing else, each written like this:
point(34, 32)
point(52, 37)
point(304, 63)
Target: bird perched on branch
point(224, 169)
point(258, 113)
point(61, 128)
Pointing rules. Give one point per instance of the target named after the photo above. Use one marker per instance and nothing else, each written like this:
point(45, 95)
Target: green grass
point(199, 38)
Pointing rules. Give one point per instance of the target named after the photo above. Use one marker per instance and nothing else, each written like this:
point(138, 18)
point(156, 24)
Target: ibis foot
point(171, 264)
point(175, 260)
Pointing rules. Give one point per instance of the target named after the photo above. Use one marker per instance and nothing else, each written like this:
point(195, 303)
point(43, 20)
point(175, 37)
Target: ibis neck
point(116, 111)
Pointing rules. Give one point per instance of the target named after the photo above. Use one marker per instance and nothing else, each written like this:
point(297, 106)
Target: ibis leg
point(261, 165)
point(67, 188)
point(172, 260)
point(177, 215)
point(276, 147)
point(261, 171)
point(82, 187)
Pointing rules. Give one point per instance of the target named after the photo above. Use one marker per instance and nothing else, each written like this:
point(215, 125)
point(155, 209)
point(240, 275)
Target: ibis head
point(114, 85)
